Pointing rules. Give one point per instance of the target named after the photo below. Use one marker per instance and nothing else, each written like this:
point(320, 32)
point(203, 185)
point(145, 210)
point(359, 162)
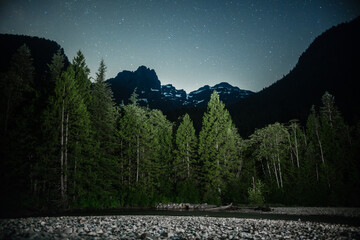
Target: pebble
point(169, 227)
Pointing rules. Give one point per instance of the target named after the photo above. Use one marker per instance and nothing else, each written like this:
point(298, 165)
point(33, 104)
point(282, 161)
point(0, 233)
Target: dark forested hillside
point(42, 51)
point(29, 68)
point(331, 63)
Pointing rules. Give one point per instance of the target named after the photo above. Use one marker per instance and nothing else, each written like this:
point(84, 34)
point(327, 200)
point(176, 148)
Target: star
point(240, 38)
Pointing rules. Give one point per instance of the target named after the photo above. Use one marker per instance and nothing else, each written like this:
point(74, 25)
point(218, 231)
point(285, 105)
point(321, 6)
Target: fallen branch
point(219, 208)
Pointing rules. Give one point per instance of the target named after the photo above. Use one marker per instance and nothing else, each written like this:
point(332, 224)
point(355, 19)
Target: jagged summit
point(167, 97)
point(228, 94)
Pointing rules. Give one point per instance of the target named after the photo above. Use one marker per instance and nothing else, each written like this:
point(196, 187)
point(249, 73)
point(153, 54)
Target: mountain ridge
point(167, 97)
point(330, 63)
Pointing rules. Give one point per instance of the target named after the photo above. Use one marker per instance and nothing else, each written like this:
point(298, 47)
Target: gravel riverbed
point(329, 211)
point(169, 227)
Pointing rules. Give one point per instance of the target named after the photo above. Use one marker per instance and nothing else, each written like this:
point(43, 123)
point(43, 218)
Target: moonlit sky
point(249, 44)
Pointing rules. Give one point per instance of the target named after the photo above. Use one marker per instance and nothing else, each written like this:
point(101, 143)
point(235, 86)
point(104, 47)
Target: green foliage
point(57, 66)
point(271, 149)
point(82, 71)
point(218, 149)
point(256, 193)
point(75, 150)
point(185, 161)
point(103, 116)
point(102, 109)
point(187, 192)
point(145, 138)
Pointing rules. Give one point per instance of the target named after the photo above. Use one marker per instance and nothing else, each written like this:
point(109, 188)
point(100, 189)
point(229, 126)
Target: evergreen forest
point(66, 145)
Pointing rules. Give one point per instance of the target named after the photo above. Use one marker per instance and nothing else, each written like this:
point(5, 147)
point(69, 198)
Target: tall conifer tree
point(186, 146)
point(68, 114)
point(47, 169)
point(102, 109)
point(103, 115)
point(82, 72)
point(216, 143)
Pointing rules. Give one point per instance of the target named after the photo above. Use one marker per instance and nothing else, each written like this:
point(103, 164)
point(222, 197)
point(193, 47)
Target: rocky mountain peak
point(165, 97)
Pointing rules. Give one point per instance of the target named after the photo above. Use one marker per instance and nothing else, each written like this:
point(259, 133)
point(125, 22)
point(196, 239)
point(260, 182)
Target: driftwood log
point(219, 208)
point(188, 206)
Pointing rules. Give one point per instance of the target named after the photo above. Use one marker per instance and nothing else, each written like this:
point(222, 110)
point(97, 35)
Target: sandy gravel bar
point(169, 227)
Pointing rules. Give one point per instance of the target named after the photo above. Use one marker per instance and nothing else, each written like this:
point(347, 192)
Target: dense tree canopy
point(76, 149)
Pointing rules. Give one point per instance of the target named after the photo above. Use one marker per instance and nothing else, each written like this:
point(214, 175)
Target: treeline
point(76, 149)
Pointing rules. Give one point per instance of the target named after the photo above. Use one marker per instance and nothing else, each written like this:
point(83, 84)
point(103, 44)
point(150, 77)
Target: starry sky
point(189, 43)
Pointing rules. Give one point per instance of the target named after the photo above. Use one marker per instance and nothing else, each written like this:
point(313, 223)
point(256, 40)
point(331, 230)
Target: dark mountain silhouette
point(228, 94)
point(42, 51)
point(331, 63)
point(143, 79)
point(166, 97)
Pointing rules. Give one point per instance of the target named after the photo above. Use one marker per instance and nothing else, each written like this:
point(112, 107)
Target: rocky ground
point(319, 211)
point(329, 211)
point(169, 227)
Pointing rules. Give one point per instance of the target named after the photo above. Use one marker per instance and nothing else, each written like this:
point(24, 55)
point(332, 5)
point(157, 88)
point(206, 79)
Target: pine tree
point(185, 163)
point(47, 169)
point(145, 137)
point(103, 115)
point(67, 113)
point(133, 132)
point(102, 109)
point(336, 141)
point(186, 146)
point(57, 65)
point(160, 149)
point(328, 109)
point(82, 77)
point(217, 148)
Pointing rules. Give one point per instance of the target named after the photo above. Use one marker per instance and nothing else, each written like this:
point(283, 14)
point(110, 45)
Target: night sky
point(249, 44)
